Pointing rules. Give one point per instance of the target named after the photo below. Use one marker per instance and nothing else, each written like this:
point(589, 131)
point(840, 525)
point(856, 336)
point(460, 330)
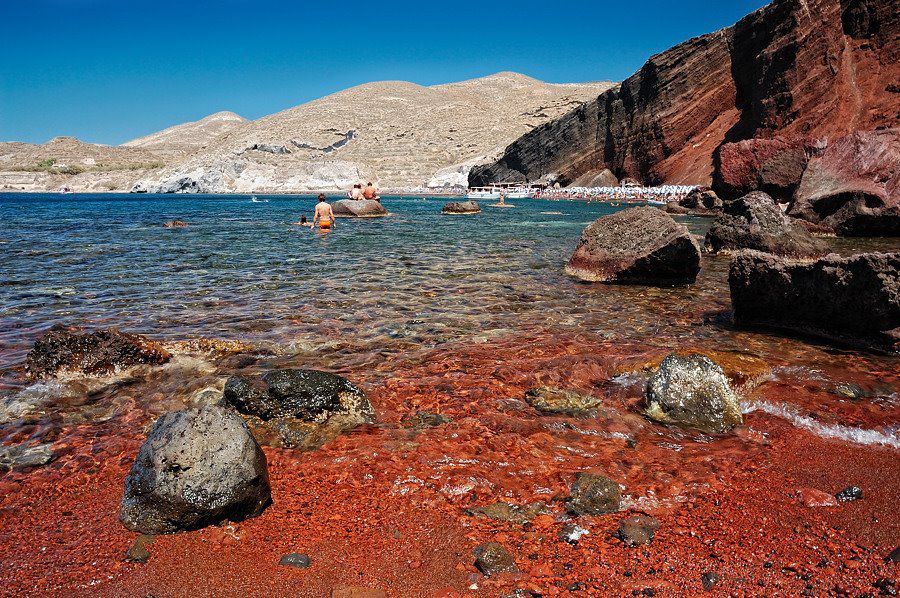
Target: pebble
point(849, 494)
point(709, 580)
point(300, 561)
point(138, 552)
point(493, 558)
point(637, 530)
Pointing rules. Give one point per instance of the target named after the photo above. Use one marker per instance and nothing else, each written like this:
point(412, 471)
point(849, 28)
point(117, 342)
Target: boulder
point(853, 300)
point(358, 208)
point(461, 207)
point(198, 467)
point(774, 166)
point(854, 185)
point(555, 401)
point(692, 391)
point(98, 352)
point(300, 409)
point(493, 558)
point(593, 494)
point(641, 245)
point(702, 201)
point(755, 221)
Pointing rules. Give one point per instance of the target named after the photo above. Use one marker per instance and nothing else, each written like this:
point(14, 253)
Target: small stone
point(300, 561)
point(649, 592)
point(637, 530)
point(576, 586)
point(593, 494)
point(816, 498)
point(572, 533)
point(555, 401)
point(492, 558)
point(885, 587)
point(849, 494)
point(138, 552)
point(709, 579)
point(894, 556)
point(424, 419)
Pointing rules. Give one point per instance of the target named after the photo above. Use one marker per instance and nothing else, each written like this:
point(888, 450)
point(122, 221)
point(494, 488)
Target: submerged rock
point(197, 467)
point(849, 494)
point(298, 408)
point(461, 207)
point(21, 456)
point(298, 561)
point(138, 552)
point(702, 201)
point(503, 511)
point(358, 208)
point(64, 349)
point(555, 401)
point(755, 221)
point(637, 530)
point(424, 419)
point(593, 494)
point(640, 245)
point(492, 558)
point(854, 300)
point(692, 391)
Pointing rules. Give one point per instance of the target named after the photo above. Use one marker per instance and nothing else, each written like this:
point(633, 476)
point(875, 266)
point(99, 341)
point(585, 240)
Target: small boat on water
point(503, 190)
point(255, 199)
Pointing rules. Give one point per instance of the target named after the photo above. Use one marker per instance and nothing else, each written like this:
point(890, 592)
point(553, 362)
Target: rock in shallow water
point(197, 467)
point(555, 401)
point(640, 245)
point(358, 208)
point(461, 207)
point(854, 300)
point(492, 558)
point(593, 494)
point(21, 456)
point(692, 391)
point(637, 530)
point(71, 349)
point(298, 408)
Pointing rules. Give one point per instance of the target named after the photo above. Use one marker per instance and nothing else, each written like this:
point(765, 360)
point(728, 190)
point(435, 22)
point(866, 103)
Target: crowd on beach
point(663, 193)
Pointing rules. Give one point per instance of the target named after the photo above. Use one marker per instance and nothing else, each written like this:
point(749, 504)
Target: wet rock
point(22, 456)
point(492, 558)
point(709, 580)
point(692, 391)
point(503, 511)
point(555, 401)
point(70, 349)
point(849, 494)
point(424, 419)
point(854, 300)
point(299, 561)
point(300, 409)
point(702, 201)
point(593, 494)
point(637, 530)
point(816, 498)
point(358, 208)
point(175, 224)
point(639, 245)
point(138, 552)
point(197, 467)
point(755, 221)
point(461, 207)
point(572, 533)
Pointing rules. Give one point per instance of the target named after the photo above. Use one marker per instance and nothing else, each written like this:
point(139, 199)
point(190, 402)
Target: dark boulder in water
point(593, 494)
point(640, 245)
point(853, 300)
point(198, 467)
point(298, 408)
point(702, 201)
point(461, 207)
point(64, 349)
point(692, 391)
point(358, 208)
point(755, 221)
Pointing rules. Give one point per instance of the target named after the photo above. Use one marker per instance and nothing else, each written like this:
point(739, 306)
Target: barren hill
point(181, 140)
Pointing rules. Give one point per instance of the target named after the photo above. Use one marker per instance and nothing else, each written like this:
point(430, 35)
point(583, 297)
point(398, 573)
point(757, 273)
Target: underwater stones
point(692, 391)
point(555, 401)
point(298, 561)
point(641, 245)
point(137, 552)
point(99, 352)
point(22, 456)
point(298, 408)
point(421, 420)
point(637, 530)
point(197, 467)
point(593, 494)
point(503, 511)
point(492, 558)
point(358, 208)
point(853, 300)
point(461, 207)
point(849, 494)
point(755, 221)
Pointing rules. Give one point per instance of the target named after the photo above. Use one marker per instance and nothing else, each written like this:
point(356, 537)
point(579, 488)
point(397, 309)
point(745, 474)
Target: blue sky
point(107, 71)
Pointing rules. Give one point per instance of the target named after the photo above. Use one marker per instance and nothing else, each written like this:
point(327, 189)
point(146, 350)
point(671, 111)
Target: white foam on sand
point(862, 436)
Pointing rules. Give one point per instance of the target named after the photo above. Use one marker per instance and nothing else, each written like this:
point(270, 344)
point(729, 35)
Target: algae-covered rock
point(555, 401)
point(593, 494)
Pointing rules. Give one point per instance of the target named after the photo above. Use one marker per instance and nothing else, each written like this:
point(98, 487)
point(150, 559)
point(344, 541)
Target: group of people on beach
point(368, 192)
point(323, 217)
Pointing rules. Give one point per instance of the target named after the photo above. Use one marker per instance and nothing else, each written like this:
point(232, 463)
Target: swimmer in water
point(304, 222)
point(324, 214)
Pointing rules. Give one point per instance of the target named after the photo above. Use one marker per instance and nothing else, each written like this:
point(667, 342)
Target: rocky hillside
point(396, 134)
point(821, 68)
point(181, 140)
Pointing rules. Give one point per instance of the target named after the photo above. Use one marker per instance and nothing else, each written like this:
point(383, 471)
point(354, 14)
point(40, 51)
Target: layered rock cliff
point(818, 68)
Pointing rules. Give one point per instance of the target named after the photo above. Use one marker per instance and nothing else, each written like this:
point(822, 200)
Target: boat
point(503, 190)
point(483, 193)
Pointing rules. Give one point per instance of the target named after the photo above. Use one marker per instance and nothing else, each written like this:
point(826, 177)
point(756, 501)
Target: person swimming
point(304, 222)
point(324, 214)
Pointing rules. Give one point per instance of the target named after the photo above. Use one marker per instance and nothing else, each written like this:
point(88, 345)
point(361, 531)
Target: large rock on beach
point(853, 300)
point(90, 352)
point(593, 494)
point(298, 408)
point(692, 391)
point(358, 208)
point(773, 166)
point(854, 185)
point(197, 467)
point(641, 245)
point(461, 207)
point(702, 201)
point(755, 221)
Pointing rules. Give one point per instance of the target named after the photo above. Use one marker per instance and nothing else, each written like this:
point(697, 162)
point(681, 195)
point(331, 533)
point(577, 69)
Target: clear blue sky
point(107, 71)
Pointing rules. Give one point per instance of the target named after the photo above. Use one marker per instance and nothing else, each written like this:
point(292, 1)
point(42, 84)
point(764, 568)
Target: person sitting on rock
point(370, 193)
point(357, 192)
point(324, 214)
